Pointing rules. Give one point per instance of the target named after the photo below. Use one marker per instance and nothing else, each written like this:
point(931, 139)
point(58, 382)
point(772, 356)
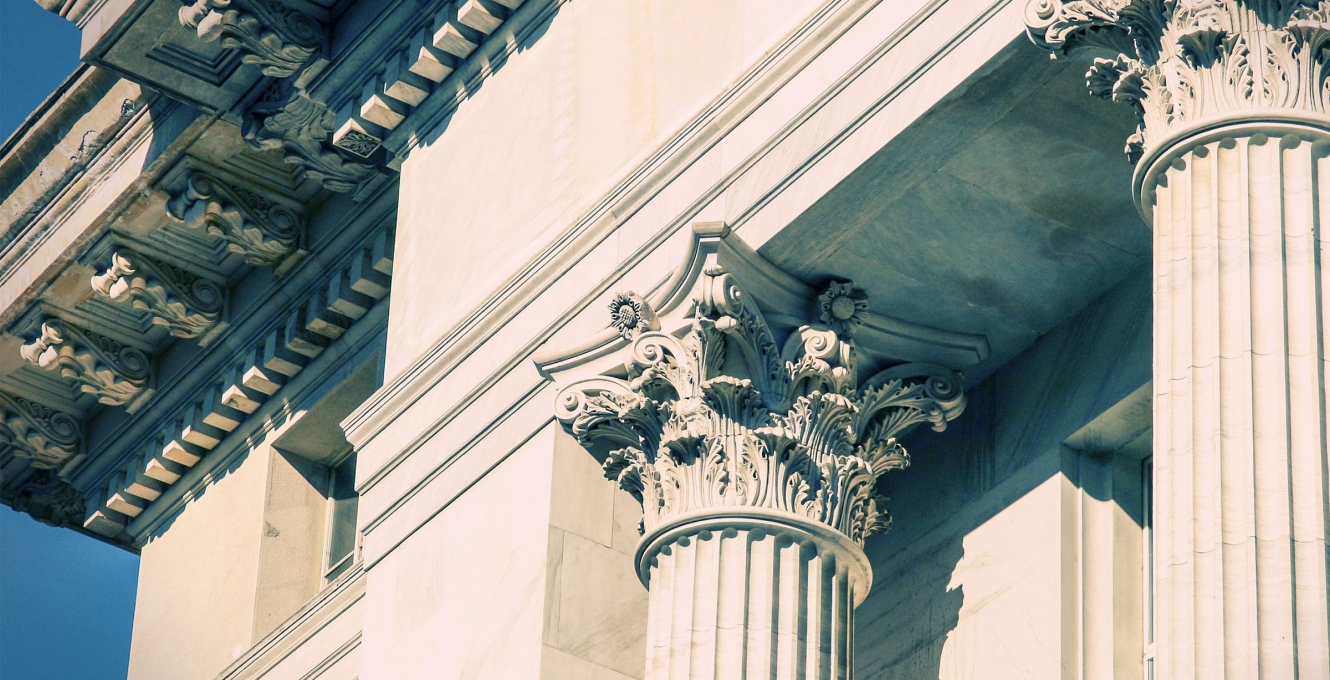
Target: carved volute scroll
point(186, 304)
point(113, 372)
point(51, 500)
point(46, 436)
point(265, 32)
point(298, 126)
point(264, 232)
point(1185, 64)
point(728, 416)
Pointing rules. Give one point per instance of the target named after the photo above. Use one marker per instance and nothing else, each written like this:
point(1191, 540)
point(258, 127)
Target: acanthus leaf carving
point(47, 437)
point(1182, 63)
point(115, 373)
point(724, 416)
point(186, 304)
point(264, 232)
point(290, 121)
point(51, 500)
point(265, 32)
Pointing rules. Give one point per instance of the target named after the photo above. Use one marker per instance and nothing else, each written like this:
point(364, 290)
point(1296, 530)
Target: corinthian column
point(756, 462)
point(1232, 173)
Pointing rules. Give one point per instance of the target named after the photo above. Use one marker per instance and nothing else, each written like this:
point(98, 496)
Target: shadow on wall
point(525, 39)
point(903, 625)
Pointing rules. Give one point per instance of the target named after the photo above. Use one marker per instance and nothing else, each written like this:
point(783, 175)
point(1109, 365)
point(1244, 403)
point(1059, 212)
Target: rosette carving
point(113, 372)
point(264, 232)
point(184, 303)
point(265, 32)
point(46, 436)
point(728, 416)
point(1183, 62)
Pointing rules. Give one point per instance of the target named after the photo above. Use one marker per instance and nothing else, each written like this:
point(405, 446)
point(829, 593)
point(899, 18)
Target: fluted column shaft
point(1240, 370)
point(748, 598)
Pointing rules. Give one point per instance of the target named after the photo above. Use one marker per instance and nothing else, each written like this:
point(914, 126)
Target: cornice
point(642, 184)
point(84, 182)
point(655, 173)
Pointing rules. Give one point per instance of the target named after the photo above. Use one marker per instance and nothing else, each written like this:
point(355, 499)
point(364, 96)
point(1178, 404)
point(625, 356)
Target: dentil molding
point(1184, 63)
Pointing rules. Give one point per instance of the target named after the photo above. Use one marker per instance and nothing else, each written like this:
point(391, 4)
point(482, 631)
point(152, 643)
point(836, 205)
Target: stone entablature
point(98, 400)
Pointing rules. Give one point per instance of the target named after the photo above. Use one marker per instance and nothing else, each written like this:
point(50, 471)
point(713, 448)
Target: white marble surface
point(463, 597)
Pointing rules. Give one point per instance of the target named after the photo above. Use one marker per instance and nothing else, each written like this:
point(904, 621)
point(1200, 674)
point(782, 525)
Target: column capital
point(1188, 66)
point(714, 409)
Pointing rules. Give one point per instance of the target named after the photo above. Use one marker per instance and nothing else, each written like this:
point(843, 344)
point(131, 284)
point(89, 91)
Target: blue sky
point(66, 600)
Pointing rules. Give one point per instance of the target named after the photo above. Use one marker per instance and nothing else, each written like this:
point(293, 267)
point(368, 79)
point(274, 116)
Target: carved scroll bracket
point(115, 373)
point(266, 233)
point(49, 438)
point(265, 32)
point(290, 121)
point(186, 304)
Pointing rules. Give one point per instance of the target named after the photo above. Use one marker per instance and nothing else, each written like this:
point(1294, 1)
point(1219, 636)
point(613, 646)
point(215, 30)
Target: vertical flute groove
point(1241, 463)
point(743, 604)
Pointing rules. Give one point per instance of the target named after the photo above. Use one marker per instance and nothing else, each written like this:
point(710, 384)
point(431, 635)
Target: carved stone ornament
point(1181, 63)
point(631, 315)
point(719, 412)
point(726, 416)
point(265, 32)
point(47, 437)
point(264, 232)
point(184, 303)
point(51, 500)
point(113, 372)
point(289, 121)
point(841, 307)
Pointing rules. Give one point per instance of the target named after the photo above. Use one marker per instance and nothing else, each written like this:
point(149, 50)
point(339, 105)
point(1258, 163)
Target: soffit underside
point(1001, 212)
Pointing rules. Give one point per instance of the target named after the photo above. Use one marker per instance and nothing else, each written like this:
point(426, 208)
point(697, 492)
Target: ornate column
point(1232, 173)
point(756, 461)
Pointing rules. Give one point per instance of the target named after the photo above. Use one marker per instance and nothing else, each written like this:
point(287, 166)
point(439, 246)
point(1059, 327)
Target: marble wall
point(974, 580)
point(590, 95)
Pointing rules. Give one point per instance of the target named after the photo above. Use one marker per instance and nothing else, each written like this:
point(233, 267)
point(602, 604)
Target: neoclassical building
point(681, 339)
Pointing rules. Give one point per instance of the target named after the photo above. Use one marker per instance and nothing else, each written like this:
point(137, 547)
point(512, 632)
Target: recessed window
point(1148, 548)
point(343, 503)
